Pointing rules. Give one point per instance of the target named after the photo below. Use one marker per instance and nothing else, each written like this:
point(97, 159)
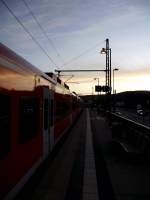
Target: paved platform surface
point(55, 183)
point(83, 171)
point(129, 175)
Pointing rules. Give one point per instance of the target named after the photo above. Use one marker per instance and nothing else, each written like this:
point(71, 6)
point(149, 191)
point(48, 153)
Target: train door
point(47, 121)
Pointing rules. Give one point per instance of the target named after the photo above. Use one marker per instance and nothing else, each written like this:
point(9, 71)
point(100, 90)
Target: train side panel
point(25, 139)
point(35, 111)
point(62, 114)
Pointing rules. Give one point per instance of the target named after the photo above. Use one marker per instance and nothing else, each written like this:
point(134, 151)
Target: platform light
point(103, 51)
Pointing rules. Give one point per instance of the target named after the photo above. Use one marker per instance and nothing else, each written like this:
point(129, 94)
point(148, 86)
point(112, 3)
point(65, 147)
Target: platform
point(87, 167)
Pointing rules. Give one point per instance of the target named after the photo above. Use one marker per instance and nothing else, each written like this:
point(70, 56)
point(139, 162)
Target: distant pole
point(113, 82)
point(98, 83)
point(98, 86)
point(92, 91)
point(92, 97)
point(110, 71)
point(107, 62)
point(116, 69)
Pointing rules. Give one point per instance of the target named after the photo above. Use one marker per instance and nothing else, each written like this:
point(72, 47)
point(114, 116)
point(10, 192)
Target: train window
point(46, 114)
point(28, 119)
point(4, 125)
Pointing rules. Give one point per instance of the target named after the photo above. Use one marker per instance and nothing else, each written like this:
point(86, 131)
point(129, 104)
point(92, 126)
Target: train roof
point(20, 65)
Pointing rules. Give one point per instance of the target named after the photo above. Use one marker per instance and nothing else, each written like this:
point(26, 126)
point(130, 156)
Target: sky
point(66, 34)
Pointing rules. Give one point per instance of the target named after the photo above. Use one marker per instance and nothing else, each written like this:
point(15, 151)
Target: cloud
point(75, 26)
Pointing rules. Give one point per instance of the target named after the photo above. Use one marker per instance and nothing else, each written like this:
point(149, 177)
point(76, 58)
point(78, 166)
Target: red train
point(35, 111)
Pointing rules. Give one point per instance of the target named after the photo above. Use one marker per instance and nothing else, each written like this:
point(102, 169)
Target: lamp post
point(115, 69)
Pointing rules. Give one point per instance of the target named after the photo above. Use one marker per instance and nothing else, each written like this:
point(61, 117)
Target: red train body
point(35, 111)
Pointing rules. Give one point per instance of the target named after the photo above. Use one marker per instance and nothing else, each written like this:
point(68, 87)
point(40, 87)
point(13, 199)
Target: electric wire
point(27, 31)
point(44, 51)
point(42, 29)
point(82, 54)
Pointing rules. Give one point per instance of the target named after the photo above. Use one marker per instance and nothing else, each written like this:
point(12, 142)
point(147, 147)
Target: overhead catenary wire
point(42, 30)
point(39, 45)
point(28, 32)
point(78, 81)
point(82, 54)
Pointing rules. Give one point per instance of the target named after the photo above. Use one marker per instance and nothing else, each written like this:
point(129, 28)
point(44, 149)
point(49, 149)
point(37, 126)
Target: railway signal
point(104, 88)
